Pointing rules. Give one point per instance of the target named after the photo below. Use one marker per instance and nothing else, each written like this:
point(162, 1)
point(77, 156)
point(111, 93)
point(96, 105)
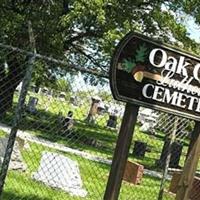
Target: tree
point(62, 85)
point(82, 32)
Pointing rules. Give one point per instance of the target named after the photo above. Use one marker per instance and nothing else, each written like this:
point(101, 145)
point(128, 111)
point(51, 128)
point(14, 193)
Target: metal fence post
point(18, 111)
point(167, 162)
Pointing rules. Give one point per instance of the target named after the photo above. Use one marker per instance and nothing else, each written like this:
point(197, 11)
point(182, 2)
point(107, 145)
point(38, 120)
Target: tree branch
point(90, 58)
point(78, 37)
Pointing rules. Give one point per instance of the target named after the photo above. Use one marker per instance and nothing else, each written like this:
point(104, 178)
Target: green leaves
point(94, 25)
point(128, 65)
point(141, 53)
point(140, 56)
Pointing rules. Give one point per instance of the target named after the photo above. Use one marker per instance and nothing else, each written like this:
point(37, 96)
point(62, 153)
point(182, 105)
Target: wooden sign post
point(148, 73)
point(121, 152)
point(187, 177)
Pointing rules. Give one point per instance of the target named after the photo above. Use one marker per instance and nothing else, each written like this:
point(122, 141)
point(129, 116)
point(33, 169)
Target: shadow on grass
point(12, 196)
point(46, 125)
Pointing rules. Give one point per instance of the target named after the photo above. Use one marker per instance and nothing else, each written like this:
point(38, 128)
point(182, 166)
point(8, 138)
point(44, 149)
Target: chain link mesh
point(68, 131)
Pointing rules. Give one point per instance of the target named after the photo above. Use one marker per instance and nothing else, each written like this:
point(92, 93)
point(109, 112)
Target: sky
point(189, 22)
point(193, 29)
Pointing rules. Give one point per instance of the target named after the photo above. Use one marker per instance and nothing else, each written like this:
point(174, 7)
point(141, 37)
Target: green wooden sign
point(147, 73)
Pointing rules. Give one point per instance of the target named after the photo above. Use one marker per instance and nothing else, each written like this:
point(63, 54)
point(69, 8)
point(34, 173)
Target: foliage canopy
point(84, 33)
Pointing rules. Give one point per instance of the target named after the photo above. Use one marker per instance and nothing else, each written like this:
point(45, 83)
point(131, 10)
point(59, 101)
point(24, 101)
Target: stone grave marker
point(133, 172)
point(176, 151)
point(115, 111)
point(32, 103)
point(62, 96)
point(93, 109)
point(67, 124)
point(112, 121)
point(144, 115)
point(16, 162)
point(60, 172)
point(45, 91)
point(101, 108)
point(148, 125)
point(74, 100)
point(148, 120)
point(19, 87)
point(139, 149)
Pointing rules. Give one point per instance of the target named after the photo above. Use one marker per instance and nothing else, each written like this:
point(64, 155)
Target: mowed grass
point(20, 185)
point(45, 125)
point(94, 175)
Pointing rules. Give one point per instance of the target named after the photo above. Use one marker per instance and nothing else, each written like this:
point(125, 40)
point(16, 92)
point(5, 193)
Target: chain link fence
point(65, 128)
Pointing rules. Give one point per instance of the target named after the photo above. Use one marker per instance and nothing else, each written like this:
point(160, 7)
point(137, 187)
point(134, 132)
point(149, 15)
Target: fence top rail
point(57, 61)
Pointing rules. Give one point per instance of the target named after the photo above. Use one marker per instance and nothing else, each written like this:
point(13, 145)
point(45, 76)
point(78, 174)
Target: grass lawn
point(94, 175)
point(20, 185)
point(45, 125)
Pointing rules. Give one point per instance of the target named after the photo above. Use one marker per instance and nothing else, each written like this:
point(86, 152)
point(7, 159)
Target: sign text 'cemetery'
point(150, 74)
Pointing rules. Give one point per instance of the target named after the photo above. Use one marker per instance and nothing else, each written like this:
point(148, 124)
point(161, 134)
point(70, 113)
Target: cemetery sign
point(154, 75)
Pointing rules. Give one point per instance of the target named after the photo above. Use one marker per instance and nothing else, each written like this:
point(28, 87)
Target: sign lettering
point(147, 73)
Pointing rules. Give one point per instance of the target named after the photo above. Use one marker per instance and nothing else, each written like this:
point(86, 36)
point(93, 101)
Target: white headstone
point(16, 162)
point(60, 172)
point(19, 87)
point(146, 127)
point(62, 96)
point(3, 145)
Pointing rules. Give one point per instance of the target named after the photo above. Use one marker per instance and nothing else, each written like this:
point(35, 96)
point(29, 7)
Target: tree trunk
point(10, 77)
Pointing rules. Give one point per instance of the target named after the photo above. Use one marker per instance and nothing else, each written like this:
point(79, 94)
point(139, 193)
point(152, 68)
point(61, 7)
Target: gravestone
point(101, 108)
point(74, 100)
point(45, 91)
point(93, 109)
point(147, 115)
point(16, 162)
point(67, 124)
point(133, 172)
point(176, 150)
point(60, 172)
point(139, 149)
point(148, 119)
point(62, 96)
point(19, 87)
point(148, 125)
point(32, 103)
point(112, 121)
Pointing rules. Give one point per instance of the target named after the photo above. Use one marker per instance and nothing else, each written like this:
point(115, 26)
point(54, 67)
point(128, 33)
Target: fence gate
point(62, 131)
